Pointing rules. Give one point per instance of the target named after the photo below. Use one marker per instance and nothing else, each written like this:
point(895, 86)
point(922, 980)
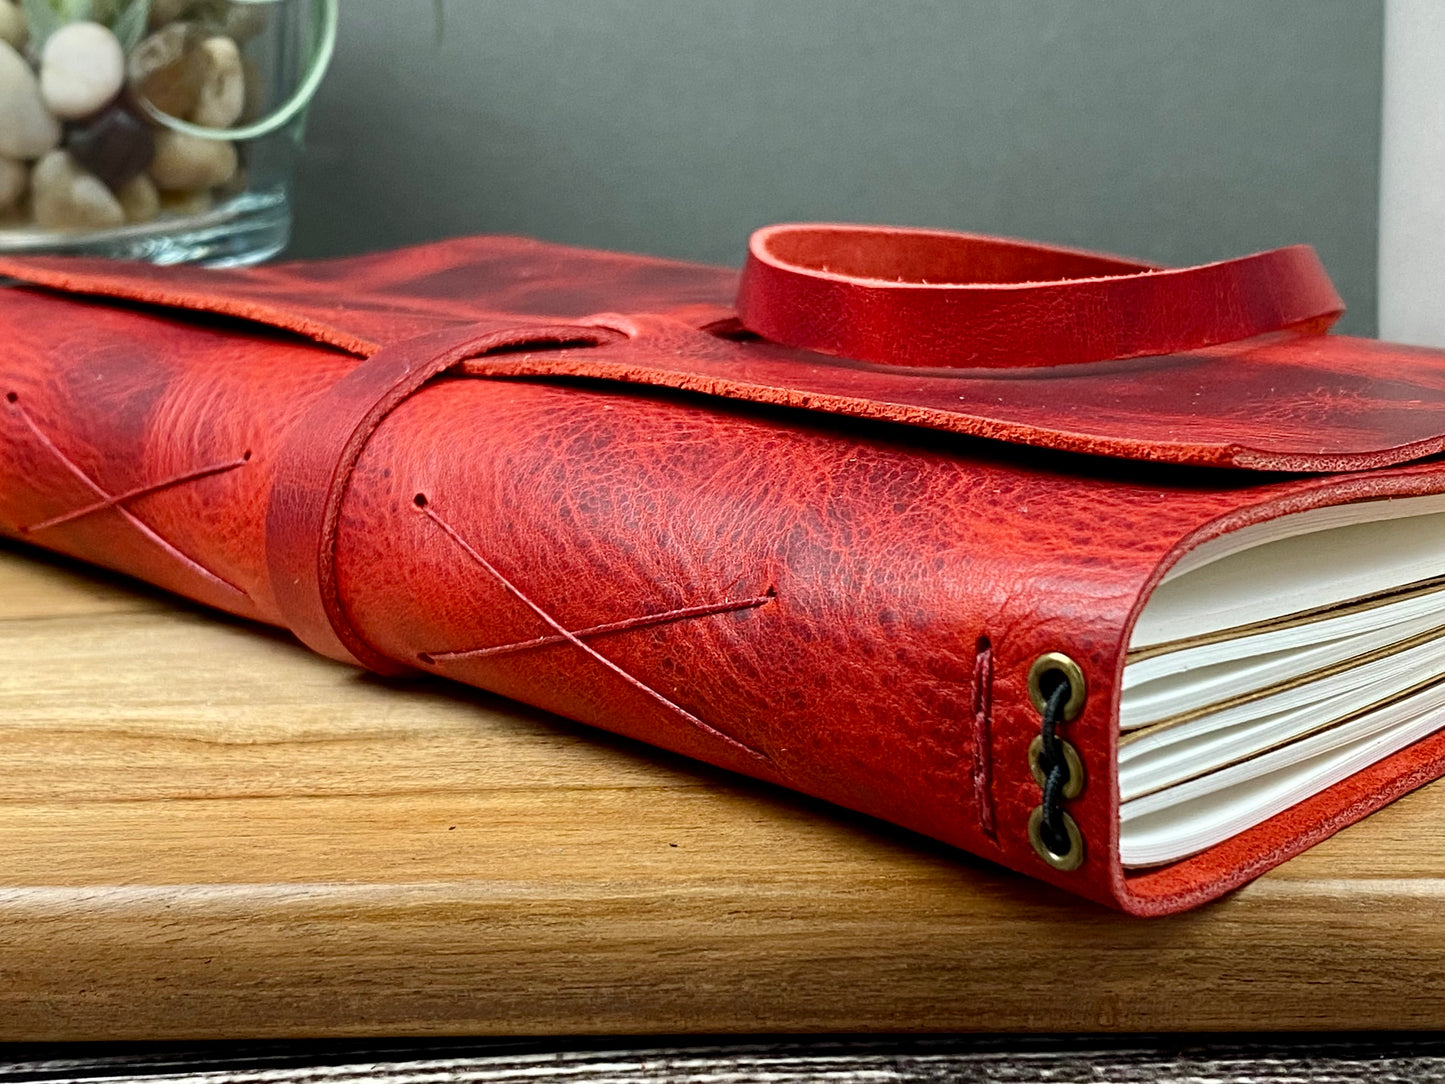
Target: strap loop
point(936, 299)
point(316, 462)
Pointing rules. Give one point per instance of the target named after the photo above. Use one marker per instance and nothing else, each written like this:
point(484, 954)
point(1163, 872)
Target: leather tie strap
point(315, 465)
point(932, 298)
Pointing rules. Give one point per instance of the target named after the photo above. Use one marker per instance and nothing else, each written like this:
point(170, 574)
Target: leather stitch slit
point(625, 625)
point(983, 738)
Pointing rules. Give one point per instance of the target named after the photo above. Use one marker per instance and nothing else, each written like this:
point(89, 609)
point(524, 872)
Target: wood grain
point(208, 832)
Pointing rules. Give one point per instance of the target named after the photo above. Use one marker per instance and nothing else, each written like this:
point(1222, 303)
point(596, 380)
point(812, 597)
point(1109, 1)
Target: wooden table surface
point(208, 832)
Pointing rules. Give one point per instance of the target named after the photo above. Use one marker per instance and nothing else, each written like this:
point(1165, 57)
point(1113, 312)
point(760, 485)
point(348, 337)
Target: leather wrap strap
point(316, 464)
point(931, 298)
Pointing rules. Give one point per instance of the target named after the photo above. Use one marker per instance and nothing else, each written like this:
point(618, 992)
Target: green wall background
point(1171, 130)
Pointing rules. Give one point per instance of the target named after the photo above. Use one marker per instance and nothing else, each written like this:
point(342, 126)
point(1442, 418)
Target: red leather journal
point(877, 521)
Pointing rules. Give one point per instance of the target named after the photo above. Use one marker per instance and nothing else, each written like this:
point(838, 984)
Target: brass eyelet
point(1066, 862)
point(1047, 663)
point(1075, 786)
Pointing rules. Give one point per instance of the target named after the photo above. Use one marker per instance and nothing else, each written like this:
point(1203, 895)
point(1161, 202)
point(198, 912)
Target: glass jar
point(161, 130)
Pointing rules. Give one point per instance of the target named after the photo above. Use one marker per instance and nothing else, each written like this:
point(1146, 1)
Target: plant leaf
point(130, 24)
point(75, 11)
point(43, 20)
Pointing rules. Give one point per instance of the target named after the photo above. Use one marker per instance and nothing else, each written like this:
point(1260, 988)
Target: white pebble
point(65, 197)
point(81, 69)
point(184, 163)
point(27, 130)
point(14, 176)
point(223, 93)
point(13, 30)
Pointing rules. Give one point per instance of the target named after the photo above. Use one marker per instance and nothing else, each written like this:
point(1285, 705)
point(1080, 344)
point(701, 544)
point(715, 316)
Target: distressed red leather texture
point(577, 479)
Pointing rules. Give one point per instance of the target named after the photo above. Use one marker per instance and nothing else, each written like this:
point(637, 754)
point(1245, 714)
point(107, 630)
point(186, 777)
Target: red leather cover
point(573, 479)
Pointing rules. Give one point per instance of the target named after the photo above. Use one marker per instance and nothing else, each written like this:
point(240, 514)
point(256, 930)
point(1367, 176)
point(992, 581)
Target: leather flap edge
point(1290, 401)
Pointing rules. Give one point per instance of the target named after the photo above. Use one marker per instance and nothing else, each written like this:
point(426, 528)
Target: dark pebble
point(114, 144)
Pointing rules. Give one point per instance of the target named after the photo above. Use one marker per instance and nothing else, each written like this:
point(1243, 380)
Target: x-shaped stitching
point(118, 501)
point(576, 639)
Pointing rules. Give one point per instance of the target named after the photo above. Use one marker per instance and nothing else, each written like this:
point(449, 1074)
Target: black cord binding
point(1055, 769)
